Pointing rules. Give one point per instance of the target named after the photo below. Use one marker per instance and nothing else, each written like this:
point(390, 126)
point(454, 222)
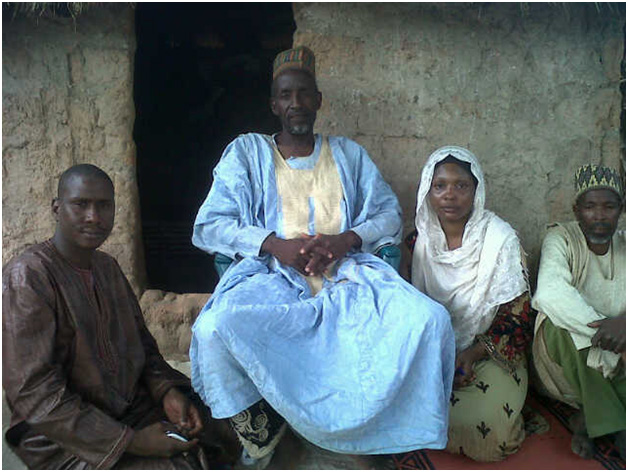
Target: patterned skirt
point(259, 429)
point(485, 420)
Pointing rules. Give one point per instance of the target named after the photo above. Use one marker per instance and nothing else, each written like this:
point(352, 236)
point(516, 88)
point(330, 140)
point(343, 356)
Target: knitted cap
point(592, 176)
point(300, 57)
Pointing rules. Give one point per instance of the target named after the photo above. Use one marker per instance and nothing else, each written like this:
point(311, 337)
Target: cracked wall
point(532, 92)
point(67, 89)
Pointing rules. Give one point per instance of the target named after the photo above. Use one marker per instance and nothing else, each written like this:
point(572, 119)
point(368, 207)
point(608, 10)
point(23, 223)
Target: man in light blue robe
point(307, 325)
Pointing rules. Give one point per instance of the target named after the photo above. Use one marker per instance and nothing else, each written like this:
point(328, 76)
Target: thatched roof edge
point(55, 9)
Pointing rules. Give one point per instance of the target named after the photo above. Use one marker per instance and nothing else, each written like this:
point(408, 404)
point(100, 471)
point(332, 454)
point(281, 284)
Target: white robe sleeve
point(558, 298)
point(376, 211)
point(226, 222)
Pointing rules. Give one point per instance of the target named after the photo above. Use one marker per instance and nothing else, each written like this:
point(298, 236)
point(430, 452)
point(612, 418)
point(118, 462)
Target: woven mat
point(547, 446)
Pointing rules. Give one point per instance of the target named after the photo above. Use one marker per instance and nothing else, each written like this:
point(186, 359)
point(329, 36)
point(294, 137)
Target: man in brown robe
point(84, 379)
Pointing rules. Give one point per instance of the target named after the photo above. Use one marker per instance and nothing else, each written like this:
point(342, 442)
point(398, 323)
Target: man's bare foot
point(220, 441)
point(288, 453)
point(620, 443)
point(581, 443)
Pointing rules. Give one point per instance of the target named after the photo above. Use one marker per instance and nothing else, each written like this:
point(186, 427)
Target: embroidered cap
point(300, 57)
point(592, 176)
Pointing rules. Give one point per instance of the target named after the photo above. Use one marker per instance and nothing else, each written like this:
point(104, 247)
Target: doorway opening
point(202, 77)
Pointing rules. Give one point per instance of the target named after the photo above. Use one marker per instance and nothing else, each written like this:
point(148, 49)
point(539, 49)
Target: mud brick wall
point(67, 89)
point(532, 89)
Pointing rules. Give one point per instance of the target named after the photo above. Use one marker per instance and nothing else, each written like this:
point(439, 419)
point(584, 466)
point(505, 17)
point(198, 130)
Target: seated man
point(308, 326)
point(84, 380)
point(580, 333)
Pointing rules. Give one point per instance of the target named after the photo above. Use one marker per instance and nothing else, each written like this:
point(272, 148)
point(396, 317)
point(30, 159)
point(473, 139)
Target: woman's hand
point(465, 360)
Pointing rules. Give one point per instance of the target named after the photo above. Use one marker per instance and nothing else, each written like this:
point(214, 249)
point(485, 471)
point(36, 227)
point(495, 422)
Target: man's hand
point(611, 334)
point(152, 441)
point(465, 361)
point(287, 251)
point(182, 413)
point(317, 264)
point(325, 248)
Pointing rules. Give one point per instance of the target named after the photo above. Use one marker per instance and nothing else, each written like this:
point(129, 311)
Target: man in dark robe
point(84, 379)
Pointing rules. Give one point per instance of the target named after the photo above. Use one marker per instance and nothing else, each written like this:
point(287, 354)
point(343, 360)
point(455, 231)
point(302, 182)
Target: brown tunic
point(80, 368)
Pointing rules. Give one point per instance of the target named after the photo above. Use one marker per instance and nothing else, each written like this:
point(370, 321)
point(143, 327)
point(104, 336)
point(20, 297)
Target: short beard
point(599, 239)
point(300, 130)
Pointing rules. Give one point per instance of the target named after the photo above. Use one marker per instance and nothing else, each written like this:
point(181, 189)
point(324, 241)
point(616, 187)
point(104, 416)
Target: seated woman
point(470, 260)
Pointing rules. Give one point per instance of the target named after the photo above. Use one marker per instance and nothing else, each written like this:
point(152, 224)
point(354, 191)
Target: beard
point(300, 129)
point(599, 239)
point(595, 236)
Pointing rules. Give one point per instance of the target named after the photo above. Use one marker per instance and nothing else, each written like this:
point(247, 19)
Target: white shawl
point(473, 280)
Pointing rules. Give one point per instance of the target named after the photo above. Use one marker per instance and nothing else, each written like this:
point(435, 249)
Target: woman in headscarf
point(471, 261)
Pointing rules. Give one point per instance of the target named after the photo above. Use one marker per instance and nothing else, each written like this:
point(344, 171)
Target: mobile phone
point(176, 435)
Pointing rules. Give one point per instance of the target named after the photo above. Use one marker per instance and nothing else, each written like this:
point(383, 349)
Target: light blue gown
point(366, 365)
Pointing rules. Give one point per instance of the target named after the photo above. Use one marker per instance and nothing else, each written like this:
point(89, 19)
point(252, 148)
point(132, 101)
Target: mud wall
point(532, 89)
point(67, 89)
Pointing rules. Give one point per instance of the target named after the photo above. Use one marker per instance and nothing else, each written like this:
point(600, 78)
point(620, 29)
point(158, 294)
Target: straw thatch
point(74, 9)
point(52, 9)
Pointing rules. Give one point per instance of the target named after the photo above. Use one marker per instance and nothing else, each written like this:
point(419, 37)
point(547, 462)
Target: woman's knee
point(484, 442)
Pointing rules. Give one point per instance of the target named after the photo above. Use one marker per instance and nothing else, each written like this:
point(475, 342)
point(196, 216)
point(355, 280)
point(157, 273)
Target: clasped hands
point(311, 255)
point(183, 416)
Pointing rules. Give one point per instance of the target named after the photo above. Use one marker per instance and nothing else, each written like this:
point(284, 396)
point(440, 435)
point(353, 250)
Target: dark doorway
point(202, 76)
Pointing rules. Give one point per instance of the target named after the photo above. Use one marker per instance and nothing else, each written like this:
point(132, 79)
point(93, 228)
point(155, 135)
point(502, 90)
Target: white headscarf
point(474, 279)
